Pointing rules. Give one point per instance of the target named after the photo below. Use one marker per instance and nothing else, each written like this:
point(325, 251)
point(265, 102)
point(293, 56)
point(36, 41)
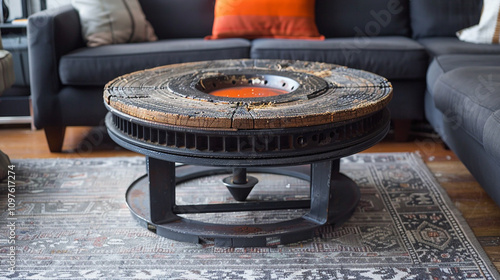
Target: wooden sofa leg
point(401, 130)
point(55, 137)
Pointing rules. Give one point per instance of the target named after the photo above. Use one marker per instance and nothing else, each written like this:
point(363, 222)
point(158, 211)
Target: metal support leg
point(333, 199)
point(322, 174)
point(239, 184)
point(161, 190)
point(239, 175)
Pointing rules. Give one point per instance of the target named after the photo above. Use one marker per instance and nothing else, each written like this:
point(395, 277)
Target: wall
point(57, 3)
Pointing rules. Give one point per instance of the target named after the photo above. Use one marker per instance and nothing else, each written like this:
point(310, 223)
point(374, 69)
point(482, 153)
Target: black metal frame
point(333, 199)
point(333, 195)
point(248, 148)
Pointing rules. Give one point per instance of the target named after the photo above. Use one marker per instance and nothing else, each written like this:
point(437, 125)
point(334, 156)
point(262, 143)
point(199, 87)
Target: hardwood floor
point(479, 210)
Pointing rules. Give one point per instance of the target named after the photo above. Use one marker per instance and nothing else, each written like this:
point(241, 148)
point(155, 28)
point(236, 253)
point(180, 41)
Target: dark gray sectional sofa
point(410, 42)
point(462, 103)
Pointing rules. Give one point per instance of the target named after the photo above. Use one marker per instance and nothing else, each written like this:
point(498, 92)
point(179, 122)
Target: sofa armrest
point(51, 34)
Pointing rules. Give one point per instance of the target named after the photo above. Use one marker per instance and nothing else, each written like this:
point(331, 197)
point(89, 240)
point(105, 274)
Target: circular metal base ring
point(345, 196)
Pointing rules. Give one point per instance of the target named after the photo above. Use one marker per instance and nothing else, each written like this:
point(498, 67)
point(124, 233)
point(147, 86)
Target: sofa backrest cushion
point(180, 18)
point(355, 18)
point(438, 18)
point(113, 22)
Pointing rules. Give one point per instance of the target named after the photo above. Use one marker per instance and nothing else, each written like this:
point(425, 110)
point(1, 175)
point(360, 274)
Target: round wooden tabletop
point(310, 94)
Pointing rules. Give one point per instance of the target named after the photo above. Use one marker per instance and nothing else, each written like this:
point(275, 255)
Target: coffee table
point(236, 117)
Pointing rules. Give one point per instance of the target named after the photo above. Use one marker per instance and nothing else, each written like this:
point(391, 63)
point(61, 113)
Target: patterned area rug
point(69, 220)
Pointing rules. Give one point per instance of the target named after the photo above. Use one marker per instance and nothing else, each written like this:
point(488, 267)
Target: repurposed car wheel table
point(292, 118)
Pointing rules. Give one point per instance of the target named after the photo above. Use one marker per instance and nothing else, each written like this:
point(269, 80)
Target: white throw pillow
point(107, 22)
point(488, 29)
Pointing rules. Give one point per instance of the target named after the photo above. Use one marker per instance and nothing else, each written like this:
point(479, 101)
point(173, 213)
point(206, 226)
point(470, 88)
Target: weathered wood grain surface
point(155, 95)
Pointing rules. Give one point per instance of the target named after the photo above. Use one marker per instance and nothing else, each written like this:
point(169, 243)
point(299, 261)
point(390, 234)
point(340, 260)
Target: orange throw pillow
point(251, 19)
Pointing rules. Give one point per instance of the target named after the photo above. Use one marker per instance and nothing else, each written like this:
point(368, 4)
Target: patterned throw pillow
point(251, 19)
point(113, 22)
point(488, 29)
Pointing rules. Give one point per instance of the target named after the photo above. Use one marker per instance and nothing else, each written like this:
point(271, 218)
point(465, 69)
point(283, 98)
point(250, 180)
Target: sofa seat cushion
point(97, 66)
point(452, 45)
point(468, 97)
point(446, 63)
point(391, 57)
